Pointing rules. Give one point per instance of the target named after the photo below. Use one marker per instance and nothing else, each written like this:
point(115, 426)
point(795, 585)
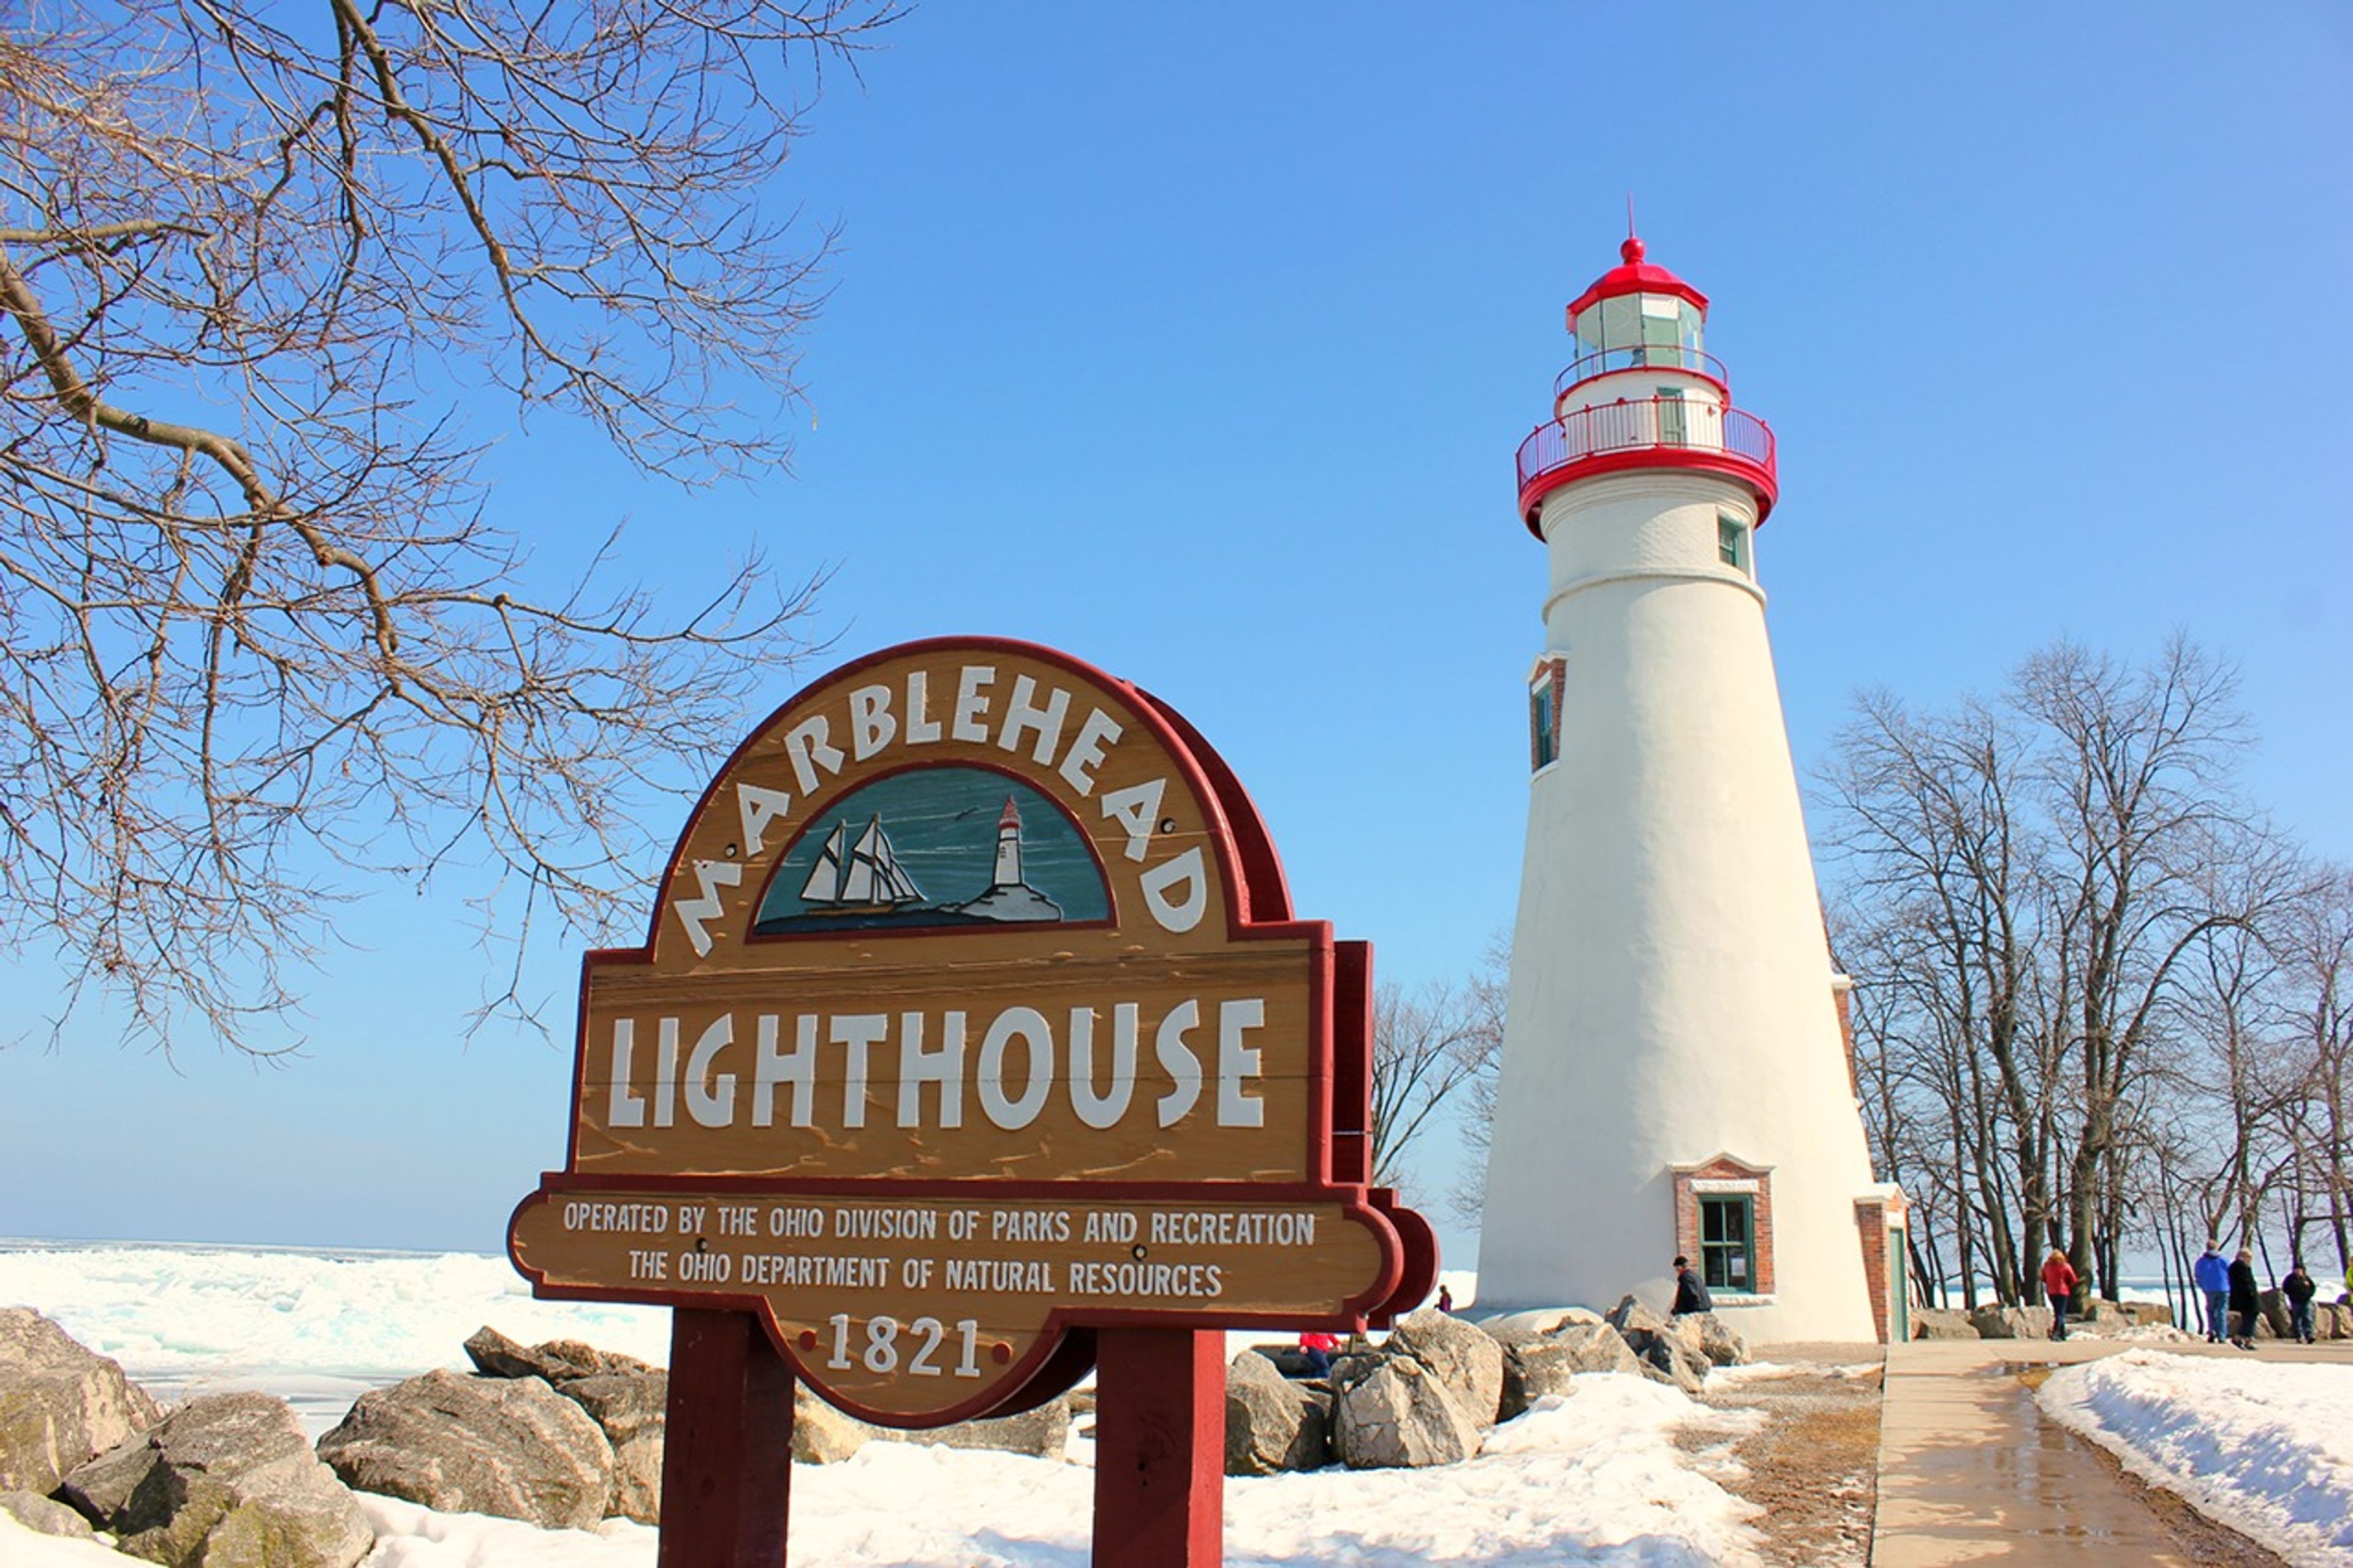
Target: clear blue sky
point(1196, 342)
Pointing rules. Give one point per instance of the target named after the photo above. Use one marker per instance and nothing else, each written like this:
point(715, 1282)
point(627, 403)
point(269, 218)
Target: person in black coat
point(2243, 1304)
point(2298, 1287)
point(1691, 1291)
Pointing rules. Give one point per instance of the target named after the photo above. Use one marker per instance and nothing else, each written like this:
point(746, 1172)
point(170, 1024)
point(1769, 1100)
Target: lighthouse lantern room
point(1676, 1072)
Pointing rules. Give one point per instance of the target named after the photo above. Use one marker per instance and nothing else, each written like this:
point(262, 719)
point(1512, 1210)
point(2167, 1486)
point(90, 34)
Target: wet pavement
point(1970, 1472)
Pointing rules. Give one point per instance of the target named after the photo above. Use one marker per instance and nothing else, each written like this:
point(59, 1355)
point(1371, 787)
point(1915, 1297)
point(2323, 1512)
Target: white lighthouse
point(1009, 847)
point(1675, 1076)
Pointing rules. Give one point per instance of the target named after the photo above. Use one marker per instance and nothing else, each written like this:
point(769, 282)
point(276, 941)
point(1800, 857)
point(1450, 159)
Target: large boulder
point(2272, 1314)
point(2332, 1320)
point(513, 1447)
point(226, 1481)
point(2114, 1317)
point(629, 1408)
point(1271, 1423)
point(1633, 1318)
point(557, 1360)
point(1511, 1327)
point(60, 1402)
point(822, 1435)
point(44, 1516)
point(1935, 1324)
point(1997, 1323)
point(2098, 1318)
point(1539, 1365)
point(1460, 1355)
point(1717, 1340)
point(1288, 1360)
point(1669, 1351)
point(1394, 1414)
point(1676, 1358)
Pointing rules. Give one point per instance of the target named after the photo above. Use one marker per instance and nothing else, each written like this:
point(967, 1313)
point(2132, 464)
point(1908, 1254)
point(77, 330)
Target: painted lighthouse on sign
point(1675, 1071)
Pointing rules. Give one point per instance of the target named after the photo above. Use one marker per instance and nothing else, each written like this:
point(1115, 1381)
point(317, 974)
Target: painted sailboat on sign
point(862, 877)
point(915, 850)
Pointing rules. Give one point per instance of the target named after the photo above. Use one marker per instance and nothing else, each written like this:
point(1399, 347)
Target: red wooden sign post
point(975, 1045)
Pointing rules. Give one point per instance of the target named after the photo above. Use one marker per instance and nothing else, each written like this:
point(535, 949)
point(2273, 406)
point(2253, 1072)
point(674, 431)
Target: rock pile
point(1429, 1394)
point(222, 1480)
point(563, 1434)
point(1992, 1321)
point(60, 1405)
point(560, 1434)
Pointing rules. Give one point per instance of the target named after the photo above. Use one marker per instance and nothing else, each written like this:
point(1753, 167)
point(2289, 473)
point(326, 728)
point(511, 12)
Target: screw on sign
point(975, 1045)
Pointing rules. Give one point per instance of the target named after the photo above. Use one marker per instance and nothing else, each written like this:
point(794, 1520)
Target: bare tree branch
point(272, 280)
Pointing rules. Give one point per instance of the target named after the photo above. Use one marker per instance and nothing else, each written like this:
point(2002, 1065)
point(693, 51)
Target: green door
point(1672, 431)
point(1899, 1288)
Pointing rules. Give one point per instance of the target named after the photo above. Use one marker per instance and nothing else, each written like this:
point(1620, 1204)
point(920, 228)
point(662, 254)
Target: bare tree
point(1430, 1046)
point(272, 277)
point(1474, 1119)
point(2148, 831)
point(2316, 946)
point(2034, 888)
point(1931, 824)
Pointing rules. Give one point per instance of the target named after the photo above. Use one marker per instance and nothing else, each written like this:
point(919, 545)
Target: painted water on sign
point(935, 846)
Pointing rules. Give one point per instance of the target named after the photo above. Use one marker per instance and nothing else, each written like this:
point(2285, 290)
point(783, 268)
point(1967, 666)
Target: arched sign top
point(974, 1019)
point(881, 771)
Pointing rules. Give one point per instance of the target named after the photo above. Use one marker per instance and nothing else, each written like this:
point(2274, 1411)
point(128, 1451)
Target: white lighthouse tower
point(1009, 847)
point(1675, 1076)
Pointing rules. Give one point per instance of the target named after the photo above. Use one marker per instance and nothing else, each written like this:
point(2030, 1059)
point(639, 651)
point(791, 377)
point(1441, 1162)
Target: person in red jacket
point(1318, 1347)
point(2058, 1286)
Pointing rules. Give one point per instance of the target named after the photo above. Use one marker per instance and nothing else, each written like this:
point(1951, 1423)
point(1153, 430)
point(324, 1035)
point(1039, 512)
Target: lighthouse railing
point(1639, 424)
point(1642, 356)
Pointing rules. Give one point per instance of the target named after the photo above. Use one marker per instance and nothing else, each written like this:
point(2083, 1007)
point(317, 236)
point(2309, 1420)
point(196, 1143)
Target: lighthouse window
point(1732, 542)
point(1661, 327)
point(1543, 723)
point(1724, 1228)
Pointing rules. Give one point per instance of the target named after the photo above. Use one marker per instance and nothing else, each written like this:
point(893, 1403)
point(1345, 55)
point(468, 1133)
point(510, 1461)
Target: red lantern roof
point(1635, 276)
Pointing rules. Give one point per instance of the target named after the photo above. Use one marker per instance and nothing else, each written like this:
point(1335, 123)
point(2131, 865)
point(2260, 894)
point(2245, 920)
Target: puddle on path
point(2034, 1475)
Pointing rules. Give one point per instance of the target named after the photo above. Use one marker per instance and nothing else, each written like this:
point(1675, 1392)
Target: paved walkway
point(1970, 1472)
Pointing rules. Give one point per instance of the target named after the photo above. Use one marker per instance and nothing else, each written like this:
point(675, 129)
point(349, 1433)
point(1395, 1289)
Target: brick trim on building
point(1723, 1172)
point(1843, 998)
point(1880, 1221)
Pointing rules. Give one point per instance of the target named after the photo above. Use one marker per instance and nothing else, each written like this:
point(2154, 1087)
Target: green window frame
point(1732, 541)
point(1543, 723)
point(1728, 1231)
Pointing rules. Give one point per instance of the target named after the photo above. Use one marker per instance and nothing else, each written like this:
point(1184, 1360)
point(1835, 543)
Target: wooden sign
point(974, 1018)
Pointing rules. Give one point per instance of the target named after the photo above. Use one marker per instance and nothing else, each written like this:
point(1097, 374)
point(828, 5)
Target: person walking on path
point(2211, 1275)
point(2059, 1287)
point(1691, 1291)
point(2243, 1304)
point(1318, 1346)
point(2298, 1287)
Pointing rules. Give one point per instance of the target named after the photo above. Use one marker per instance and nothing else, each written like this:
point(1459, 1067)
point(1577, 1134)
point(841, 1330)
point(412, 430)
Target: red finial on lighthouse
point(1632, 250)
point(1010, 817)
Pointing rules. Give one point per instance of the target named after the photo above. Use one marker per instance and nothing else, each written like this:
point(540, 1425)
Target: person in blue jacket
point(2212, 1273)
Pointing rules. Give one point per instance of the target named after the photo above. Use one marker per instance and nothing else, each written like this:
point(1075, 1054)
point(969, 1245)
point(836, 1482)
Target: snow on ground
point(2265, 1447)
point(1592, 1477)
point(319, 1329)
point(1596, 1478)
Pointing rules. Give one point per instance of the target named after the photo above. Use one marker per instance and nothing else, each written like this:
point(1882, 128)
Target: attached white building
point(1675, 1075)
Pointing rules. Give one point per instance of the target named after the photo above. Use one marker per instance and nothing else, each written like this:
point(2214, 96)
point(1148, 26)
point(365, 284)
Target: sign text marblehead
point(974, 1014)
